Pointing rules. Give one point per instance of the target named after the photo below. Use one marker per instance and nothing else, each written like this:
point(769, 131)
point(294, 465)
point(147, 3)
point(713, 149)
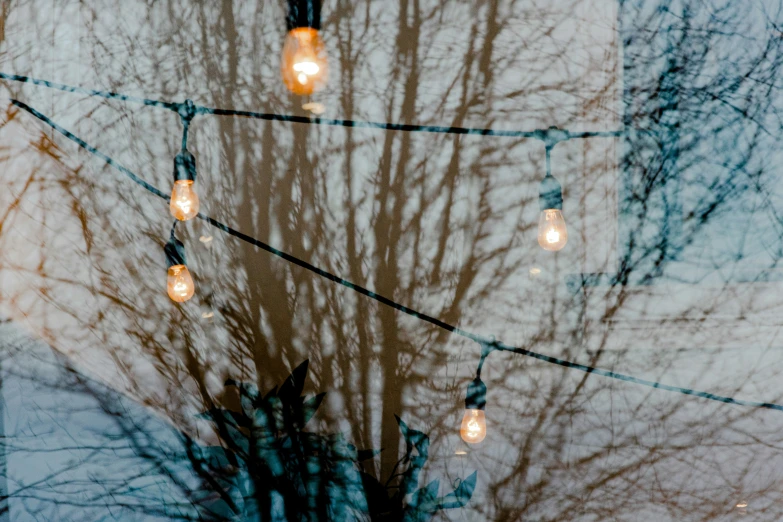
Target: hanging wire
point(548, 160)
point(488, 344)
point(90, 92)
point(187, 111)
point(551, 135)
point(185, 128)
point(486, 349)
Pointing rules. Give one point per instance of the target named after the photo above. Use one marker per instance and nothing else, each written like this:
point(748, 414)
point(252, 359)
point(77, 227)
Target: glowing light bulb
point(303, 64)
point(184, 200)
point(180, 284)
point(552, 231)
point(474, 426)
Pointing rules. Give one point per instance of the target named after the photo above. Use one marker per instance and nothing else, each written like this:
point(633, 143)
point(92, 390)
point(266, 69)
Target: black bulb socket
point(185, 166)
point(304, 13)
point(175, 252)
point(550, 193)
point(476, 397)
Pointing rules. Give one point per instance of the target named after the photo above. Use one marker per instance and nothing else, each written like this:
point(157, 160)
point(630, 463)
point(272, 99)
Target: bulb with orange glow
point(303, 64)
point(552, 231)
point(474, 426)
point(184, 200)
point(474, 422)
point(180, 284)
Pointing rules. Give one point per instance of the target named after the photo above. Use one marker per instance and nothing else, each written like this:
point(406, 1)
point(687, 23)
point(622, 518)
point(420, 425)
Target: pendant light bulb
point(184, 200)
point(303, 64)
point(474, 426)
point(474, 421)
point(552, 231)
point(179, 282)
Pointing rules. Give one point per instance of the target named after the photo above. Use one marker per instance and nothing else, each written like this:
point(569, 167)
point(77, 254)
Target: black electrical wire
point(90, 92)
point(188, 109)
point(488, 344)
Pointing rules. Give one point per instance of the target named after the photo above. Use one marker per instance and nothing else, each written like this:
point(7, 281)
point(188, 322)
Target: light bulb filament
point(308, 68)
point(474, 426)
point(552, 230)
point(184, 200)
point(304, 64)
point(473, 429)
point(180, 283)
point(184, 204)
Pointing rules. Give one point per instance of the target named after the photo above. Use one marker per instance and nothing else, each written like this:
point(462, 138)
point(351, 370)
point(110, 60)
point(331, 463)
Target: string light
point(474, 421)
point(184, 200)
point(179, 282)
point(552, 231)
point(550, 136)
point(303, 64)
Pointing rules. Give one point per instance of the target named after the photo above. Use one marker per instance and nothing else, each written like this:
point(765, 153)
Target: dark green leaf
point(215, 457)
point(460, 496)
point(378, 500)
point(245, 388)
point(413, 439)
point(293, 385)
point(235, 439)
point(402, 425)
point(421, 441)
point(309, 408)
point(425, 496)
point(248, 395)
point(410, 478)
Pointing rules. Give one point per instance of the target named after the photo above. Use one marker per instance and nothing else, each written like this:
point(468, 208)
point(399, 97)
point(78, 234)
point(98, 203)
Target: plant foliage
point(270, 468)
